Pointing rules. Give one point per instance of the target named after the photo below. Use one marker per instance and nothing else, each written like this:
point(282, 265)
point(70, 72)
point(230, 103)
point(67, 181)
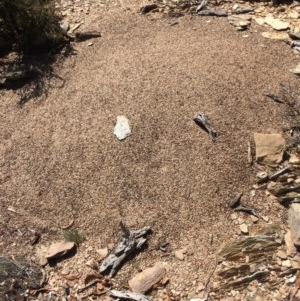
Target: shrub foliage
point(29, 24)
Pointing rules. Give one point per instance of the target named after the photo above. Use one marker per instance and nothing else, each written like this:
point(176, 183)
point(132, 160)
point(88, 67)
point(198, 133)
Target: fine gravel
point(60, 160)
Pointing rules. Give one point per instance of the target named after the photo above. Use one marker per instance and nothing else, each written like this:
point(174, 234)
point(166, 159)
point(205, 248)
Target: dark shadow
point(32, 75)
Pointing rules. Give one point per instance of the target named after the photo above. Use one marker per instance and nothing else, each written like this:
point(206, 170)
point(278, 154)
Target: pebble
point(233, 216)
point(286, 263)
point(254, 218)
point(102, 252)
point(179, 254)
point(244, 228)
point(122, 128)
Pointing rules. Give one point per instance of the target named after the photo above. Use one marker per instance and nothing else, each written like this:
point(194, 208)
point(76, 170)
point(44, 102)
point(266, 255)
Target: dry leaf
point(92, 277)
point(73, 298)
point(68, 226)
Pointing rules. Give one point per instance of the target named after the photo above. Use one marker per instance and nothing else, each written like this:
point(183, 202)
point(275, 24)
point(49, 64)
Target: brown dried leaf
point(92, 277)
point(72, 276)
point(69, 225)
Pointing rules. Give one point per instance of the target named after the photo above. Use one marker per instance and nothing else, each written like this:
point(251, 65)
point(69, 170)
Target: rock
point(276, 23)
point(296, 70)
point(293, 15)
point(286, 263)
point(254, 218)
point(275, 35)
point(294, 222)
point(59, 249)
point(244, 228)
point(143, 282)
point(179, 254)
point(254, 245)
point(269, 148)
point(233, 216)
point(260, 21)
point(294, 159)
point(281, 254)
point(102, 253)
point(240, 22)
point(65, 26)
point(262, 175)
point(122, 129)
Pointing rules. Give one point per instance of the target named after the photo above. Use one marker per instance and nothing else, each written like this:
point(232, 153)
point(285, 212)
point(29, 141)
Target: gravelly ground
point(60, 160)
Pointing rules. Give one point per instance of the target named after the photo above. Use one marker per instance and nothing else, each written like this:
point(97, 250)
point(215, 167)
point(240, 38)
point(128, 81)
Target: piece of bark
point(202, 121)
point(130, 243)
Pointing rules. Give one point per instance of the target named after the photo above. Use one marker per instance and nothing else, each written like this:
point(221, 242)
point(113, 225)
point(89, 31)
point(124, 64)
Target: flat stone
point(269, 148)
point(122, 128)
point(281, 254)
point(276, 23)
point(260, 21)
point(275, 35)
point(59, 249)
point(294, 223)
point(241, 22)
point(265, 242)
point(144, 281)
point(244, 229)
point(290, 247)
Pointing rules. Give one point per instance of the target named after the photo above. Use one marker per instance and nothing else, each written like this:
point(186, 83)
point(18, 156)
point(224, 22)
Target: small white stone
point(122, 128)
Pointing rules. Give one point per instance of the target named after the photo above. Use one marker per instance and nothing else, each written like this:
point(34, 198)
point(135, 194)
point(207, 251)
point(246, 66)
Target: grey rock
point(294, 222)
